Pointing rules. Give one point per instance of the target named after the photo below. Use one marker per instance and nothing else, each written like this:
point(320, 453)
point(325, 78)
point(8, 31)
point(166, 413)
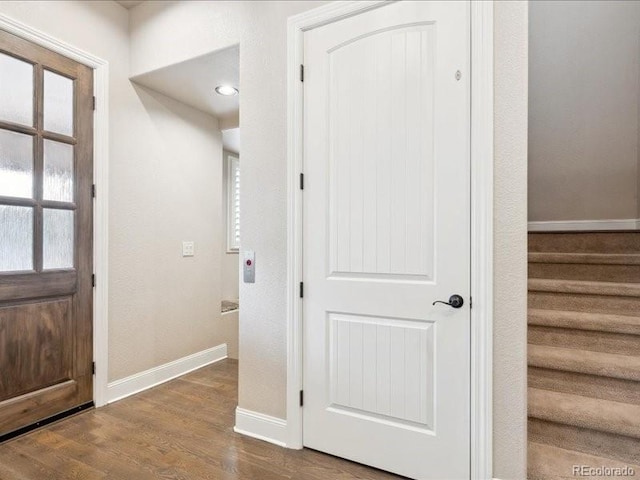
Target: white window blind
point(233, 203)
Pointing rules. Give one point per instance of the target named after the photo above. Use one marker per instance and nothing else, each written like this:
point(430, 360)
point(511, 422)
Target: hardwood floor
point(182, 429)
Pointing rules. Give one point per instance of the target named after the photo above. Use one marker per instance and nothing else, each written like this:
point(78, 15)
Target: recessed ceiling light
point(226, 90)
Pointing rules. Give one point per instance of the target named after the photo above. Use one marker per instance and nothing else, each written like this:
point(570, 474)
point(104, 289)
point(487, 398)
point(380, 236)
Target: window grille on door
point(37, 167)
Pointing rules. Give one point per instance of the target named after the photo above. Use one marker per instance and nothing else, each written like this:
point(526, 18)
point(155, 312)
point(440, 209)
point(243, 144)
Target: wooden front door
point(46, 172)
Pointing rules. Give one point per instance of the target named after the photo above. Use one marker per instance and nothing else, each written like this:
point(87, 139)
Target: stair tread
point(585, 258)
point(612, 365)
point(550, 462)
point(584, 329)
point(585, 321)
point(587, 412)
point(607, 388)
point(584, 287)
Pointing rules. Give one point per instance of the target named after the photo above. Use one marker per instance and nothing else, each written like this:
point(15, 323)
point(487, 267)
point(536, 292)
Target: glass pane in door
point(16, 90)
point(57, 247)
point(16, 238)
point(16, 164)
point(58, 171)
point(58, 103)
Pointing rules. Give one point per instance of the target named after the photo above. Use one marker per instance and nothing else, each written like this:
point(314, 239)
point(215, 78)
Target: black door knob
point(455, 301)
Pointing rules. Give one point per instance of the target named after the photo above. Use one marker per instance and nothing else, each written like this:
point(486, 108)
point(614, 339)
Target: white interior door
point(386, 233)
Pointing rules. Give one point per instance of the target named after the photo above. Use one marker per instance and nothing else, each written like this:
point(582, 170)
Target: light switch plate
point(188, 249)
point(249, 266)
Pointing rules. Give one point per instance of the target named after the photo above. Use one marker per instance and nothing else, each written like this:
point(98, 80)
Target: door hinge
point(93, 190)
point(302, 73)
point(302, 181)
point(93, 279)
point(94, 102)
point(302, 398)
point(470, 302)
point(93, 368)
point(301, 289)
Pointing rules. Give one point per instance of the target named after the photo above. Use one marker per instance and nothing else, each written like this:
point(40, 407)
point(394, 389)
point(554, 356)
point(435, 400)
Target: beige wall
point(230, 270)
point(510, 245)
point(165, 188)
point(583, 119)
point(260, 28)
point(146, 228)
point(164, 306)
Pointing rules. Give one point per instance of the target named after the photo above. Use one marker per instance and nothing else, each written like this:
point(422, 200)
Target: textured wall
point(259, 27)
point(583, 118)
point(167, 32)
point(165, 188)
point(510, 245)
point(168, 189)
point(229, 283)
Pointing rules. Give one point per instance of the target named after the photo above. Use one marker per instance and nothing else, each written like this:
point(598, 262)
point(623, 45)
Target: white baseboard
point(155, 376)
point(263, 427)
point(584, 225)
point(260, 426)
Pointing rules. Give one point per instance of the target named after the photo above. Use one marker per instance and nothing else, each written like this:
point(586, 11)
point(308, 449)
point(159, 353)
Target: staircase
point(584, 353)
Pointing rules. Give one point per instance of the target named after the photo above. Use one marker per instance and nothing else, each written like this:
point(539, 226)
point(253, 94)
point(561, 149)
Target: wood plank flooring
point(180, 430)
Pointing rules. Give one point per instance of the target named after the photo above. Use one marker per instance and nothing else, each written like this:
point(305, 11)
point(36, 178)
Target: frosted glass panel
point(58, 171)
point(16, 164)
point(16, 90)
point(58, 238)
point(16, 238)
point(58, 103)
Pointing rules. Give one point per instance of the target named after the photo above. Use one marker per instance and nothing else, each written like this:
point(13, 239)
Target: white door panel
point(386, 233)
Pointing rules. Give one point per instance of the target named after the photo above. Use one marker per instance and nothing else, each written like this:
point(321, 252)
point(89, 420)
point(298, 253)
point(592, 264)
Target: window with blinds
point(233, 203)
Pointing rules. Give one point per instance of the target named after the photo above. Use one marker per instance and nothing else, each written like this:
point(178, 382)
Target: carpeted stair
point(584, 354)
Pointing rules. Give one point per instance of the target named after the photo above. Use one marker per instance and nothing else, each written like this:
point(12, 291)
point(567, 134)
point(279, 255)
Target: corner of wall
point(510, 239)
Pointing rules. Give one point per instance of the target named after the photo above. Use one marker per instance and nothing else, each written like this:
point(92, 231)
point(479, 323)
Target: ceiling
point(194, 81)
point(129, 3)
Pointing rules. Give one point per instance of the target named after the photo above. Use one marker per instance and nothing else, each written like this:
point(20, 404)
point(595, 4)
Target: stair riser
point(626, 328)
point(626, 391)
point(584, 370)
point(585, 340)
point(546, 462)
point(584, 303)
point(581, 242)
point(593, 414)
point(580, 361)
point(585, 321)
point(622, 449)
point(579, 287)
point(595, 273)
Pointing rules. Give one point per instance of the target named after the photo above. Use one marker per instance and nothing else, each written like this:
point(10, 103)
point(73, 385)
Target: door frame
point(100, 179)
point(481, 381)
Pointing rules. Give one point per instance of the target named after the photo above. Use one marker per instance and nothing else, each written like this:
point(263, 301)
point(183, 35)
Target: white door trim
point(481, 220)
point(101, 179)
point(482, 240)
